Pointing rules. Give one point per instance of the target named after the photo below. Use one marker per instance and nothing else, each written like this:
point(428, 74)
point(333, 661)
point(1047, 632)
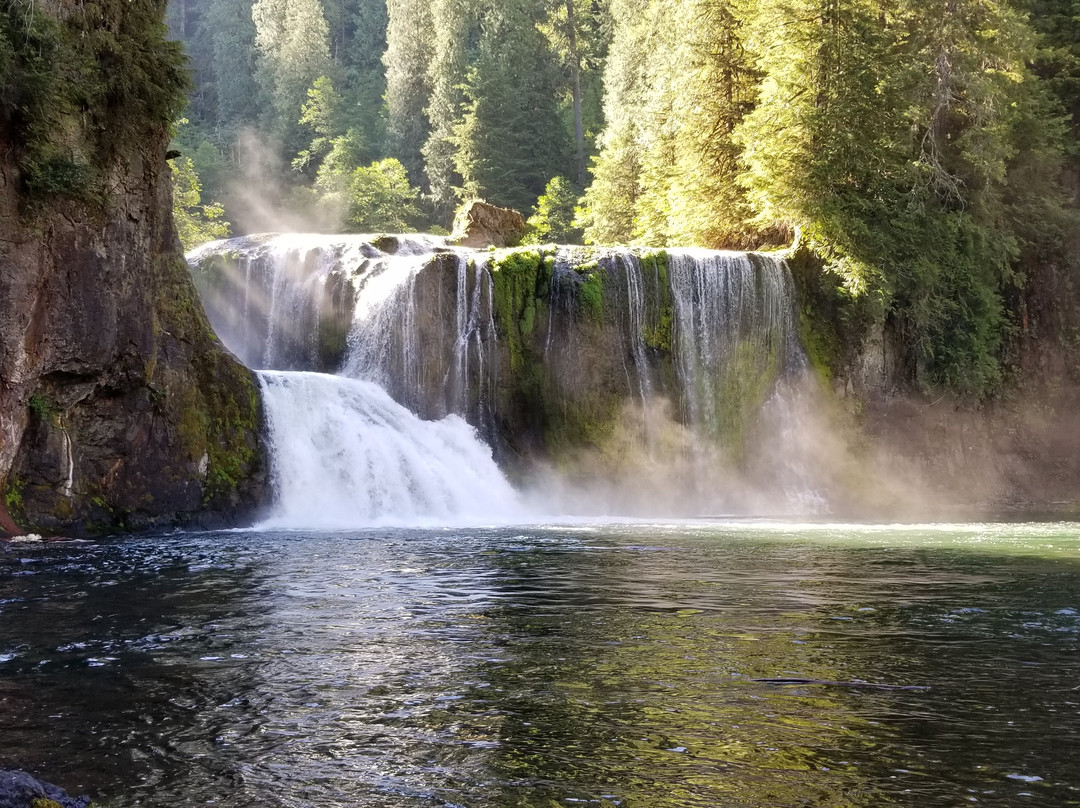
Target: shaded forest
point(921, 150)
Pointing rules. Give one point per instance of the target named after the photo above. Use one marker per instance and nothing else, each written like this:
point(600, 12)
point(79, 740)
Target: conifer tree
point(611, 200)
point(408, 86)
point(232, 35)
point(454, 22)
point(511, 139)
point(292, 39)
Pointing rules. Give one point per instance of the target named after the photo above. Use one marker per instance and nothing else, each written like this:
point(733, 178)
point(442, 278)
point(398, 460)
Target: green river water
point(572, 665)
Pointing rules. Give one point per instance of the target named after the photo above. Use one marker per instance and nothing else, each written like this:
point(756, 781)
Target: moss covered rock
point(120, 409)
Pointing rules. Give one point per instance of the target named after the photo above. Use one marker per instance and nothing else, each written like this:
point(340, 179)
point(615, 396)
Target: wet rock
point(112, 385)
point(20, 790)
point(479, 224)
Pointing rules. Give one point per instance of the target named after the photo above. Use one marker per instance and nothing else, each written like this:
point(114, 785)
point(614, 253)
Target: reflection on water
point(588, 665)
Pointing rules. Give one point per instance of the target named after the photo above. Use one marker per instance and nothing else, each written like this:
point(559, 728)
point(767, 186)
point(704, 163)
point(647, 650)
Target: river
point(582, 664)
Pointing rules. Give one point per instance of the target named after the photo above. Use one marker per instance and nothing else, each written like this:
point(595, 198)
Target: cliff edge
point(119, 409)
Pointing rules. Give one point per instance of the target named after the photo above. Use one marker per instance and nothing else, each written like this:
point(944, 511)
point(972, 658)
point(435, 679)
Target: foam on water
point(345, 454)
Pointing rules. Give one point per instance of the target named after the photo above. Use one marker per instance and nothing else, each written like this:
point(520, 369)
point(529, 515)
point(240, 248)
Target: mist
point(806, 449)
point(264, 196)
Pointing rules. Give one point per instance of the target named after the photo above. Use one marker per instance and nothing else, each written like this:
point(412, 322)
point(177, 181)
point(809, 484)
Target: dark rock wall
point(909, 449)
point(118, 407)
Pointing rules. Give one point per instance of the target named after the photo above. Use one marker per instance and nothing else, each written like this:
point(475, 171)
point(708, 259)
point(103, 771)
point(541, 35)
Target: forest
point(922, 150)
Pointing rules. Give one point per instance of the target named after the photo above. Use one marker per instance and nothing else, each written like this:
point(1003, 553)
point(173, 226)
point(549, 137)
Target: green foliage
point(381, 198)
point(668, 166)
point(578, 38)
point(60, 176)
point(196, 223)
point(13, 497)
point(323, 114)
point(507, 142)
point(370, 198)
point(521, 280)
point(553, 221)
point(80, 90)
point(894, 149)
point(909, 144)
point(292, 41)
point(42, 407)
point(447, 70)
point(408, 86)
point(232, 63)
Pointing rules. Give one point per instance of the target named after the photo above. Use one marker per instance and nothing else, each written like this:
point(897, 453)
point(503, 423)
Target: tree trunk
point(575, 72)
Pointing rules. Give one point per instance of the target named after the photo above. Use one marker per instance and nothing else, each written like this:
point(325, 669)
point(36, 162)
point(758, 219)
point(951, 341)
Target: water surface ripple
point(549, 666)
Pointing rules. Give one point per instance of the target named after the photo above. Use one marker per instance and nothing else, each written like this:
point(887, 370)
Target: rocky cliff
point(118, 407)
point(916, 450)
point(677, 380)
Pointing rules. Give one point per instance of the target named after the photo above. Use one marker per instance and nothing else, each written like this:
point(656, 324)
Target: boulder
point(20, 790)
point(479, 224)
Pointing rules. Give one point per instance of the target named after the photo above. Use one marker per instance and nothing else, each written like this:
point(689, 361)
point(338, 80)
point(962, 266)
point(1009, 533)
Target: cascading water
point(343, 452)
point(733, 327)
point(346, 454)
point(539, 358)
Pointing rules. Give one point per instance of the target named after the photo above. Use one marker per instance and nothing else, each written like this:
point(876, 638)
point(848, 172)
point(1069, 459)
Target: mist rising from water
point(345, 454)
point(745, 431)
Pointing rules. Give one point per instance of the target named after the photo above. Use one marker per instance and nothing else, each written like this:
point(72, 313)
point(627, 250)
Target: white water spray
point(344, 455)
point(419, 315)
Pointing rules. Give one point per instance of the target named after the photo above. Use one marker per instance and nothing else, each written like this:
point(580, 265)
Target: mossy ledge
point(121, 409)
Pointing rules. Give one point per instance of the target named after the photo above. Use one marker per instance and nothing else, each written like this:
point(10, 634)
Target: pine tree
point(891, 136)
point(611, 200)
point(579, 33)
point(292, 38)
point(454, 22)
point(511, 139)
point(408, 86)
point(553, 219)
point(234, 58)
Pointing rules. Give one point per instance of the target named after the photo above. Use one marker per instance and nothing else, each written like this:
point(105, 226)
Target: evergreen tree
point(408, 87)
point(510, 139)
point(712, 92)
point(611, 200)
point(323, 114)
point(553, 219)
point(579, 33)
point(454, 21)
point(292, 38)
point(232, 36)
point(894, 148)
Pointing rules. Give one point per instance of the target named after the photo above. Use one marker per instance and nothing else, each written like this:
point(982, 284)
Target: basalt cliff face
point(674, 381)
point(1017, 451)
point(119, 409)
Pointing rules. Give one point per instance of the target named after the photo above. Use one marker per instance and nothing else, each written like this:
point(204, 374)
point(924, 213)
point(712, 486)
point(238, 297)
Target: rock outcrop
point(20, 790)
point(479, 224)
point(119, 409)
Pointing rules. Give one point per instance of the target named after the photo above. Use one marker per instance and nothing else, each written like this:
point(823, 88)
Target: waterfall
point(345, 454)
point(671, 363)
point(733, 326)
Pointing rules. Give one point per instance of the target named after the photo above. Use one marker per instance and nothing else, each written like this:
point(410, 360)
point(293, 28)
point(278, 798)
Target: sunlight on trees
point(916, 146)
point(195, 222)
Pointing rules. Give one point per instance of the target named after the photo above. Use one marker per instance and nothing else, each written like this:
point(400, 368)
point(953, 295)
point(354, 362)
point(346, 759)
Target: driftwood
point(830, 683)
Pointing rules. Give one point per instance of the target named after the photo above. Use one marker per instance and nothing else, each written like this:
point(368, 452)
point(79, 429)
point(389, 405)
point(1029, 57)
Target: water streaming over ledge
point(699, 347)
point(346, 454)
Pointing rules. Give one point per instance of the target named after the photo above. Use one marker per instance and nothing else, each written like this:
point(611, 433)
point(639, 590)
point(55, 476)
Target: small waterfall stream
point(346, 454)
point(432, 369)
